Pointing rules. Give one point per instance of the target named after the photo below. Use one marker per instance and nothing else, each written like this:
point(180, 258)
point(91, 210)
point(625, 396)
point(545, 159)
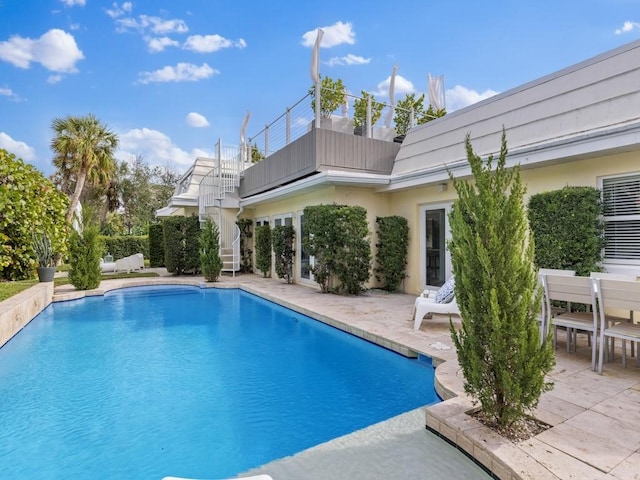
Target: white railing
point(298, 119)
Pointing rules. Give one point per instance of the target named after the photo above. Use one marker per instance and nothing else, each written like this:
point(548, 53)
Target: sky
point(172, 77)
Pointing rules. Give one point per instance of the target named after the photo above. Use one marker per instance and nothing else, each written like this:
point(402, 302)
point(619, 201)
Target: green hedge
point(263, 249)
point(246, 252)
point(156, 245)
point(568, 230)
point(391, 256)
point(338, 237)
point(181, 253)
point(283, 238)
point(125, 245)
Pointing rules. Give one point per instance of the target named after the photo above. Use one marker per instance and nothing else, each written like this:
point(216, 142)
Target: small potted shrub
point(45, 256)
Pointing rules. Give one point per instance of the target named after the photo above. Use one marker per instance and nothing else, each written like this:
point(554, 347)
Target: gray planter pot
point(46, 274)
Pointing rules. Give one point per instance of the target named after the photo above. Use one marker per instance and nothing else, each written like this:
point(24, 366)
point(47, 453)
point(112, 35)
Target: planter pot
point(46, 274)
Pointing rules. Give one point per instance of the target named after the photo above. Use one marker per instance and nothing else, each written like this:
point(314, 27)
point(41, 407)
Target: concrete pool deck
point(595, 420)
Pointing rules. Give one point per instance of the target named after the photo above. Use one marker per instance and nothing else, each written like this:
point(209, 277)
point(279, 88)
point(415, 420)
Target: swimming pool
point(151, 381)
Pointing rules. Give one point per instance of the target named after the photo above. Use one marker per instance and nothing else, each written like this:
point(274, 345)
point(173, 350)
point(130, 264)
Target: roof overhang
point(315, 182)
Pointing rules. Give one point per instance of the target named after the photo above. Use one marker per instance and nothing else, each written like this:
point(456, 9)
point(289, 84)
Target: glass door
point(435, 259)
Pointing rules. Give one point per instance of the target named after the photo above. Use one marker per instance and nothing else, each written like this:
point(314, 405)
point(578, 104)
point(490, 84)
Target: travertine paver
point(586, 410)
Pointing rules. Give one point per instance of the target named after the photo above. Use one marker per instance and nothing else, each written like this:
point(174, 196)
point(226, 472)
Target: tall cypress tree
point(499, 348)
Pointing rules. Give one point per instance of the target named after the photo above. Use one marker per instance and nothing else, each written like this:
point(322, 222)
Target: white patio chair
point(542, 318)
point(625, 278)
point(571, 290)
point(621, 295)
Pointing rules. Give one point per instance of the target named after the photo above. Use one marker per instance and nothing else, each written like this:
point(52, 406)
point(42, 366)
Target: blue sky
point(171, 77)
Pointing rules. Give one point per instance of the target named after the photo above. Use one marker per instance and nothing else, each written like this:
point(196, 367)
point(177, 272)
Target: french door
point(435, 258)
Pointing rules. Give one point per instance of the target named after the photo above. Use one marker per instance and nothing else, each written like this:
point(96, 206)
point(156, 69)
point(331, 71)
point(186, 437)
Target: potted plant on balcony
point(332, 95)
point(360, 112)
point(45, 256)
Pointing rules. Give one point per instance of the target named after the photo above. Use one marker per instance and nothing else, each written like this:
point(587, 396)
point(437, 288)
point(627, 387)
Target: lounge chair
point(106, 267)
point(433, 303)
point(130, 263)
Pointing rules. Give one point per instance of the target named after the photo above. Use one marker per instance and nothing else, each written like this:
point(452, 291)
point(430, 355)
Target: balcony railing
point(299, 119)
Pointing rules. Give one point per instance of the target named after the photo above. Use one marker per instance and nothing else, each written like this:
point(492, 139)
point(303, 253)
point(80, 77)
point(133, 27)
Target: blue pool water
point(154, 381)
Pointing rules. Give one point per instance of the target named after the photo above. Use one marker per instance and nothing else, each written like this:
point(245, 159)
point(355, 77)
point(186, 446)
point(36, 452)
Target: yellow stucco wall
point(376, 204)
point(411, 202)
point(408, 203)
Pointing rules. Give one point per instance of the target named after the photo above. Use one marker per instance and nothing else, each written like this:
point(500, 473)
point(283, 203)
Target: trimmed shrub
point(568, 229)
point(283, 239)
point(191, 245)
point(156, 245)
point(263, 249)
point(29, 204)
point(499, 348)
point(246, 252)
point(181, 250)
point(338, 238)
point(392, 248)
point(209, 241)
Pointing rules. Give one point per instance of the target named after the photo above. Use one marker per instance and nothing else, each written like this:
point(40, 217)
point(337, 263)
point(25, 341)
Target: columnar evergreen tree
point(499, 348)
point(85, 249)
point(263, 249)
point(209, 241)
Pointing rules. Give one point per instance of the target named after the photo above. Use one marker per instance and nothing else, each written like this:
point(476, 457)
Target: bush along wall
point(263, 249)
point(338, 237)
point(125, 245)
point(567, 228)
point(283, 240)
point(246, 251)
point(156, 245)
point(392, 248)
point(181, 252)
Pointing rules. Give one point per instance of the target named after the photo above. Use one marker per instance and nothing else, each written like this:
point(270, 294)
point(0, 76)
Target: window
point(621, 197)
point(261, 221)
point(285, 219)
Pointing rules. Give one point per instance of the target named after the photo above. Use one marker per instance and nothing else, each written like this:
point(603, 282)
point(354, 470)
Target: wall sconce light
point(443, 187)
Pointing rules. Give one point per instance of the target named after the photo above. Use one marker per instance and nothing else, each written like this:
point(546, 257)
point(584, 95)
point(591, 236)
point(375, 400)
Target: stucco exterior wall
point(408, 203)
point(376, 204)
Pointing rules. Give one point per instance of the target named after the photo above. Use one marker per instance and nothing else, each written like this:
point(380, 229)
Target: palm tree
point(83, 149)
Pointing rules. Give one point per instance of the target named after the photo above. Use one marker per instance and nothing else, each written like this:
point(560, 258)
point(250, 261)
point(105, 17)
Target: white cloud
point(335, 34)
point(182, 72)
point(196, 120)
point(117, 11)
point(158, 44)
point(627, 27)
point(460, 97)
point(349, 59)
point(71, 3)
point(56, 50)
point(402, 86)
point(155, 25)
point(20, 149)
point(156, 147)
point(210, 43)
point(52, 79)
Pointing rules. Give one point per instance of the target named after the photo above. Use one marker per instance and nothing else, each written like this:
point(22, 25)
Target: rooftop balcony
point(291, 147)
